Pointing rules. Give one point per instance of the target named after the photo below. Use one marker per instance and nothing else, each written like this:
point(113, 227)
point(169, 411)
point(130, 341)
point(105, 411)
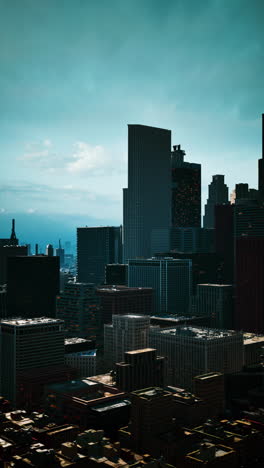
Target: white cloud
point(2, 210)
point(31, 210)
point(87, 157)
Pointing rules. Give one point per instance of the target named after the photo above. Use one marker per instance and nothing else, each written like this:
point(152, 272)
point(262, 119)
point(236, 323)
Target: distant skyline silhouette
point(74, 75)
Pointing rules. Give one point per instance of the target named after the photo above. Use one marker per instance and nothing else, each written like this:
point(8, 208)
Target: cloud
point(87, 158)
point(31, 210)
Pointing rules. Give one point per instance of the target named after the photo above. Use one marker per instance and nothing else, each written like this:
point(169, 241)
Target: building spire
point(13, 236)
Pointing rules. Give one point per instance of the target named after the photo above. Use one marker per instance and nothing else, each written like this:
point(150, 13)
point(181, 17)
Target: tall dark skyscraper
point(249, 296)
point(261, 167)
point(32, 286)
point(218, 195)
point(186, 190)
point(147, 200)
point(96, 247)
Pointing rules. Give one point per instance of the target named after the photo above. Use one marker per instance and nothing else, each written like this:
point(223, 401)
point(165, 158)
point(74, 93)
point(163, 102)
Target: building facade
point(83, 361)
point(193, 351)
point(96, 247)
point(170, 279)
point(185, 191)
point(216, 301)
point(28, 344)
point(127, 333)
point(32, 286)
point(121, 300)
point(147, 200)
point(218, 195)
point(140, 369)
point(79, 307)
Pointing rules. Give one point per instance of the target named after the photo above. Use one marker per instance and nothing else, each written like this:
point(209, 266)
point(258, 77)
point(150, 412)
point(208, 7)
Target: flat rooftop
point(22, 322)
point(250, 338)
point(140, 351)
point(77, 340)
point(218, 285)
point(198, 333)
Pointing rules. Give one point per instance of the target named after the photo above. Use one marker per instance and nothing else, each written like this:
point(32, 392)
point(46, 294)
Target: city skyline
point(69, 90)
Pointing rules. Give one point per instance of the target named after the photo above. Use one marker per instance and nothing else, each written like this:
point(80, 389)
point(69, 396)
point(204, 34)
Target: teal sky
point(74, 73)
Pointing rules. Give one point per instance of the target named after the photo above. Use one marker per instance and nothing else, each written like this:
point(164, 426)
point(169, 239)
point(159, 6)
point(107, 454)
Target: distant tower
point(13, 236)
point(49, 250)
point(261, 167)
point(218, 195)
point(185, 190)
point(60, 253)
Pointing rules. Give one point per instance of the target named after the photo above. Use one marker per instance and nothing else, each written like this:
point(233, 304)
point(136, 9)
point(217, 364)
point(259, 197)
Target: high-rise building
point(216, 301)
point(13, 240)
point(193, 351)
point(59, 252)
point(261, 167)
point(206, 266)
point(28, 344)
point(224, 240)
point(127, 333)
point(141, 369)
point(96, 247)
point(116, 273)
point(171, 280)
point(32, 286)
point(192, 240)
point(147, 200)
point(218, 195)
point(248, 219)
point(83, 361)
point(49, 250)
point(151, 414)
point(116, 300)
point(186, 190)
point(6, 252)
point(249, 289)
point(79, 307)
point(211, 389)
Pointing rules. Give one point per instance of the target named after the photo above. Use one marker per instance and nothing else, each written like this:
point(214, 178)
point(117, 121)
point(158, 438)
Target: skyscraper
point(96, 247)
point(28, 344)
point(216, 301)
point(249, 290)
point(127, 333)
point(32, 286)
point(79, 307)
point(186, 190)
point(121, 300)
point(261, 167)
point(49, 250)
point(59, 252)
point(218, 195)
point(6, 252)
point(171, 280)
point(147, 200)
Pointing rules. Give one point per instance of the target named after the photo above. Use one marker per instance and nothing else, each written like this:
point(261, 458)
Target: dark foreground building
point(33, 284)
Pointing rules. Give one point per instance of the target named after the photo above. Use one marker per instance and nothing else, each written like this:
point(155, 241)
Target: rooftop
point(140, 351)
point(250, 338)
point(110, 405)
point(198, 333)
point(151, 392)
point(69, 341)
point(18, 321)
